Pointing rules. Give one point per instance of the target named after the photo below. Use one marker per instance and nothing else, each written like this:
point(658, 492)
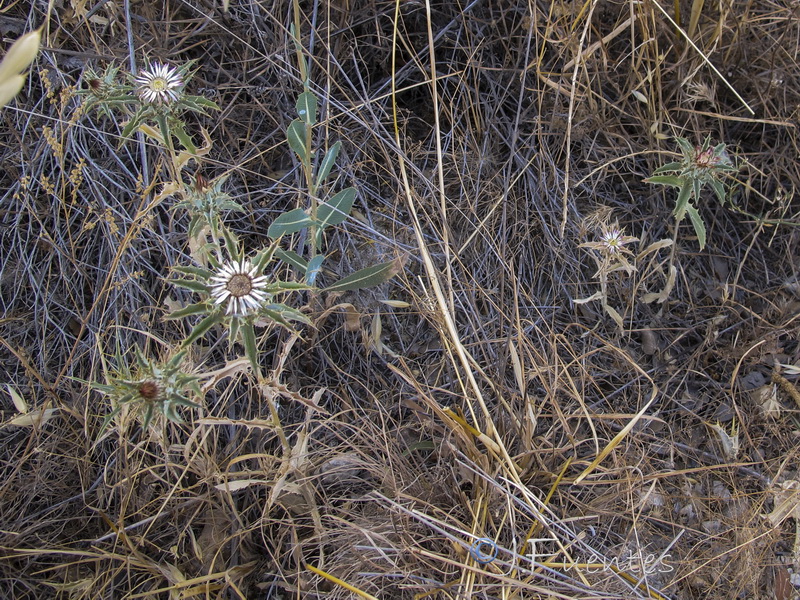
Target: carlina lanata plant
point(149, 388)
point(699, 166)
point(611, 254)
point(237, 289)
point(238, 294)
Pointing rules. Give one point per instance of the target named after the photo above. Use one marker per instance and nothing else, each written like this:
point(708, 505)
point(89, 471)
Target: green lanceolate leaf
point(285, 286)
point(199, 104)
point(369, 277)
point(289, 222)
point(671, 180)
point(188, 311)
point(231, 205)
point(231, 244)
point(328, 162)
point(186, 402)
point(133, 124)
point(141, 359)
point(293, 259)
point(163, 126)
point(175, 361)
point(100, 387)
point(233, 329)
point(673, 166)
point(337, 209)
point(307, 108)
point(686, 146)
point(296, 136)
point(314, 268)
point(109, 418)
point(196, 224)
point(148, 416)
point(280, 313)
point(697, 223)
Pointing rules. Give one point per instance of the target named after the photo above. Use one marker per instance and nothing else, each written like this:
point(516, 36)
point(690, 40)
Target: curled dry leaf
point(663, 295)
point(766, 397)
point(649, 342)
point(729, 440)
point(17, 399)
point(35, 418)
point(231, 368)
point(786, 499)
point(240, 484)
point(790, 369)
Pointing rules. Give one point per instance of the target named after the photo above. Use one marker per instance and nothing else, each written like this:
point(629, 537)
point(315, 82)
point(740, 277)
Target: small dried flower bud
point(149, 390)
point(704, 158)
point(200, 183)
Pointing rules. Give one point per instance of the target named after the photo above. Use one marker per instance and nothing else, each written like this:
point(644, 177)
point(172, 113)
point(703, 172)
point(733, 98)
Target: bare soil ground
point(475, 403)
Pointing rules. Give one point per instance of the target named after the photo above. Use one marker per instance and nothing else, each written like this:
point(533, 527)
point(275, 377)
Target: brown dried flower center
point(149, 390)
point(240, 285)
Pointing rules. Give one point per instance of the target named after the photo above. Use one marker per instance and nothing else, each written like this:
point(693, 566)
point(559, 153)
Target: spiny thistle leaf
point(250, 347)
point(191, 284)
point(682, 201)
point(697, 223)
point(188, 311)
point(202, 328)
point(190, 270)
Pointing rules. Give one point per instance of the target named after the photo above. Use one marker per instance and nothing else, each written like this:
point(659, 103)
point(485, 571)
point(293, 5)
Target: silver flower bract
point(613, 241)
point(237, 283)
point(159, 84)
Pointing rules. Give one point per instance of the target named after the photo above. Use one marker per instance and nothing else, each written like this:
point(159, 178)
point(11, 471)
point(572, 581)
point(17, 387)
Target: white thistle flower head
point(159, 84)
point(613, 240)
point(237, 283)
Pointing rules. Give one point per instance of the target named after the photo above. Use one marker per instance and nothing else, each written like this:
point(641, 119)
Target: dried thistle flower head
point(612, 250)
point(95, 85)
point(612, 242)
point(150, 388)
